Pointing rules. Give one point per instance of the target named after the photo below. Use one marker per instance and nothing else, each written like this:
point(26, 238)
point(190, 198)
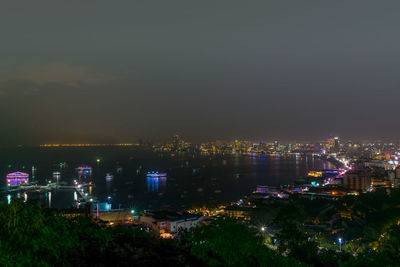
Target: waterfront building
point(56, 176)
point(84, 172)
point(177, 143)
point(238, 146)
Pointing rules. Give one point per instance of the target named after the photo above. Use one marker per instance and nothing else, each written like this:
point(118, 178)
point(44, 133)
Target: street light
point(132, 211)
point(340, 244)
point(263, 229)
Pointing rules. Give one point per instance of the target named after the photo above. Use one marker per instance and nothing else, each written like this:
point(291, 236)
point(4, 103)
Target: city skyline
point(270, 141)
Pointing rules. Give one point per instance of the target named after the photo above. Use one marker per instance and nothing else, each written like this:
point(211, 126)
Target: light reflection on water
point(193, 181)
point(156, 184)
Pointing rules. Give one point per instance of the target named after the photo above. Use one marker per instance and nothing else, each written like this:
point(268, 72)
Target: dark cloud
point(40, 75)
point(207, 69)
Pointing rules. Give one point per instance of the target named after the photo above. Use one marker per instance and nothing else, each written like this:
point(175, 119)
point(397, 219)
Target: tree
point(226, 242)
point(31, 235)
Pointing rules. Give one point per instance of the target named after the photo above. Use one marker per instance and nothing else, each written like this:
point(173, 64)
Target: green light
point(9, 165)
point(98, 160)
point(132, 211)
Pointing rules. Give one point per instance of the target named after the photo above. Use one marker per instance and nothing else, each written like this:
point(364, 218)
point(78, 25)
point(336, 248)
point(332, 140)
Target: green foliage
point(226, 242)
point(370, 259)
point(293, 241)
point(29, 234)
point(373, 225)
point(355, 247)
point(390, 243)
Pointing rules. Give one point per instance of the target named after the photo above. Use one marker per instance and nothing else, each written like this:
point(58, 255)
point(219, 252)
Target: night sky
point(117, 71)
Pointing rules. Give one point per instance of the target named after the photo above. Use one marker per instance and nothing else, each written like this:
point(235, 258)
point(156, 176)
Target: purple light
point(156, 175)
point(16, 178)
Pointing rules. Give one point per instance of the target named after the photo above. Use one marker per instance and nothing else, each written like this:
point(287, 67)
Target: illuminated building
point(315, 173)
point(113, 217)
point(385, 164)
point(85, 145)
point(329, 142)
point(177, 143)
point(357, 180)
point(84, 171)
point(239, 213)
point(380, 182)
point(33, 172)
point(101, 206)
point(167, 222)
point(267, 190)
point(396, 177)
point(238, 146)
point(56, 176)
point(336, 142)
point(16, 178)
point(276, 144)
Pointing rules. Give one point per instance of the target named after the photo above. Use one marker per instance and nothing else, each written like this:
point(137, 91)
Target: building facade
point(358, 180)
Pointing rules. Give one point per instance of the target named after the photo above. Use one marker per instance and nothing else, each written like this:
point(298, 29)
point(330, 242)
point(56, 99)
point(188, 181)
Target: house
point(162, 222)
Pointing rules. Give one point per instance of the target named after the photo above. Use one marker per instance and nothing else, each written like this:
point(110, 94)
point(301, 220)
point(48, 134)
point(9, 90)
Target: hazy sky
point(80, 71)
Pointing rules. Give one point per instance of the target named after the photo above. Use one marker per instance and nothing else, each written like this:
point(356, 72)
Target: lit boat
point(17, 178)
point(84, 171)
point(156, 175)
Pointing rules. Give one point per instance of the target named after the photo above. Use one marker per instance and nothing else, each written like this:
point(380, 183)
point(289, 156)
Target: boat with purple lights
point(17, 178)
point(156, 175)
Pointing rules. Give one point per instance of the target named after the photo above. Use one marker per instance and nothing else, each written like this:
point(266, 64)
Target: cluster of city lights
point(86, 145)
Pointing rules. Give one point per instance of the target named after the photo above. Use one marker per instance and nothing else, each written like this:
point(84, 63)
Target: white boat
point(109, 177)
point(156, 175)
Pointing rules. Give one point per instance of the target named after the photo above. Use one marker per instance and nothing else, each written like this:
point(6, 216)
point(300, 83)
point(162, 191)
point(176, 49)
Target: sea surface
point(192, 179)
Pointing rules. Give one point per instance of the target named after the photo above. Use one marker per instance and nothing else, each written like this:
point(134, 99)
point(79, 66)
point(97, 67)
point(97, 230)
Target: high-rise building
point(359, 180)
point(328, 142)
point(336, 142)
point(56, 176)
point(238, 146)
point(177, 142)
point(276, 145)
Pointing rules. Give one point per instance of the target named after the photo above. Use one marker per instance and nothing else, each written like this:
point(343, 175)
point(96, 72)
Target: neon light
point(16, 178)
